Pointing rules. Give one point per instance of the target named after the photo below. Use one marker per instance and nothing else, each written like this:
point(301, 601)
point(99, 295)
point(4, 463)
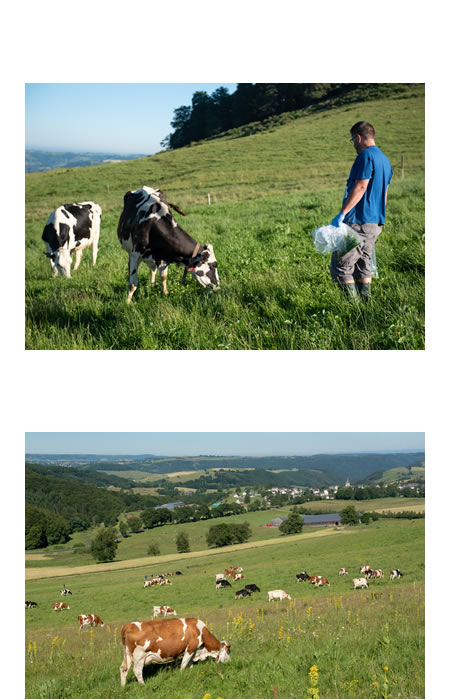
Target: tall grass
point(269, 192)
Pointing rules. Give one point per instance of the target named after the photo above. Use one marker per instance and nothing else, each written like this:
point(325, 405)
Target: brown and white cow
point(70, 229)
point(163, 610)
point(163, 641)
point(319, 581)
point(90, 621)
point(237, 577)
point(376, 573)
point(149, 233)
point(60, 606)
point(364, 569)
point(343, 572)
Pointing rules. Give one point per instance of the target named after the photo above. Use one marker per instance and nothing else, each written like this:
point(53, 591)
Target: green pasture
point(269, 192)
point(350, 636)
point(403, 473)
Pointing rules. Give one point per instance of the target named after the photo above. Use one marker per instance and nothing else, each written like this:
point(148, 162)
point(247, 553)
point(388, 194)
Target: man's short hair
point(364, 129)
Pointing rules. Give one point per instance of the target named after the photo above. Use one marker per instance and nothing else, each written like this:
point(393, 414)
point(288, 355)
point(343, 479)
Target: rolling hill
point(269, 190)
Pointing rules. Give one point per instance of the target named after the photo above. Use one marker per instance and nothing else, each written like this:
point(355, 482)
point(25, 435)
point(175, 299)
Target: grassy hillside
point(363, 643)
point(269, 191)
point(135, 546)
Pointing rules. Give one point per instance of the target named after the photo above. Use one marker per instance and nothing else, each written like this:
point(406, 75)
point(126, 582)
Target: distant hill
point(39, 161)
point(318, 470)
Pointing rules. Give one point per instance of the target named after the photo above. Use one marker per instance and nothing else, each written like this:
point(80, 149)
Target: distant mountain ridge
point(329, 468)
point(39, 161)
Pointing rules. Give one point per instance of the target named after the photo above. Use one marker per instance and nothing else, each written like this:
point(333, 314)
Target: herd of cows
point(163, 641)
point(147, 230)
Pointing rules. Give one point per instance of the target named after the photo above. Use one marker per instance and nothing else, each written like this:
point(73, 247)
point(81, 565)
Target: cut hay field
point(269, 192)
point(373, 504)
point(363, 643)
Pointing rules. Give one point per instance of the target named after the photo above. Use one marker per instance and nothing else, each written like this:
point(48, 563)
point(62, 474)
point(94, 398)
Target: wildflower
point(313, 676)
point(206, 696)
point(280, 633)
point(108, 628)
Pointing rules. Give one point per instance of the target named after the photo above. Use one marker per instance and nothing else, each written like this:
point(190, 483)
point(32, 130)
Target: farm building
point(323, 519)
point(170, 506)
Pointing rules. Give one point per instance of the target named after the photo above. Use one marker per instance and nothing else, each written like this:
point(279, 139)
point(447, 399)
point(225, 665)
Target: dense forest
point(57, 504)
point(211, 115)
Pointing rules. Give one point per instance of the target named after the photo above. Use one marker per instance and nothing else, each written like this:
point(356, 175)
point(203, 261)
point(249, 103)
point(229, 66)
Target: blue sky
point(114, 117)
point(219, 443)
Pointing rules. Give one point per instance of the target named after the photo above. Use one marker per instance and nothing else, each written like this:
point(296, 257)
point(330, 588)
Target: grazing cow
point(164, 581)
point(360, 583)
point(302, 576)
point(151, 582)
point(395, 573)
point(90, 621)
point(163, 641)
point(229, 572)
point(65, 591)
point(30, 604)
point(364, 569)
point(219, 577)
point(369, 573)
point(376, 573)
point(223, 583)
point(343, 572)
point(60, 606)
point(71, 228)
point(237, 577)
point(163, 610)
point(319, 581)
point(243, 593)
point(148, 232)
point(252, 587)
point(178, 573)
point(278, 595)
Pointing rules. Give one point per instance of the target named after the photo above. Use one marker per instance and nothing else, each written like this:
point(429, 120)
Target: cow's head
point(62, 259)
point(205, 270)
point(224, 652)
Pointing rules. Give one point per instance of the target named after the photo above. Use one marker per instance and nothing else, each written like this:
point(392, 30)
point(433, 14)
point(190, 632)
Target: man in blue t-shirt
point(364, 209)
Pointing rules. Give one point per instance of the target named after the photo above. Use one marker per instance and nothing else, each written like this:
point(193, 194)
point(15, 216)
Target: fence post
point(209, 198)
point(403, 169)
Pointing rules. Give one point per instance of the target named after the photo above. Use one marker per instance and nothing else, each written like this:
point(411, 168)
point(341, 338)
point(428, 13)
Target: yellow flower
point(206, 696)
point(386, 668)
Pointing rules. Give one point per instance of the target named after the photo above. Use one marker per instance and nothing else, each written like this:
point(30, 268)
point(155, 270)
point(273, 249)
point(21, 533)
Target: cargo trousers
point(355, 264)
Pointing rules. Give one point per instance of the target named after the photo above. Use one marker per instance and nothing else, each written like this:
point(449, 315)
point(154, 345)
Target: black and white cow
point(243, 593)
point(302, 576)
point(70, 229)
point(148, 231)
point(252, 587)
point(222, 584)
point(30, 604)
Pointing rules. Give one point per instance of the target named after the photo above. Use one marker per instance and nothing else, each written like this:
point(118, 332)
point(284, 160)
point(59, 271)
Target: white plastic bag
point(373, 264)
point(342, 239)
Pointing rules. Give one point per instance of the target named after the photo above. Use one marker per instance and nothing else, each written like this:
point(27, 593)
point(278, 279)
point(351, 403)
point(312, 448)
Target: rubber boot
point(363, 289)
point(350, 290)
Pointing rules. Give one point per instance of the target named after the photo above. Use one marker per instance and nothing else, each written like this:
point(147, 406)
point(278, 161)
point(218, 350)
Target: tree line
point(209, 115)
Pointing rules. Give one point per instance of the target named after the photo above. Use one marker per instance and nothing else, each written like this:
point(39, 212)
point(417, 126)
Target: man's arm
point(355, 195)
point(385, 196)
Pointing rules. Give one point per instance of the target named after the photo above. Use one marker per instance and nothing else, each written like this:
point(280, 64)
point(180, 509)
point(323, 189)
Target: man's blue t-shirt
point(370, 164)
